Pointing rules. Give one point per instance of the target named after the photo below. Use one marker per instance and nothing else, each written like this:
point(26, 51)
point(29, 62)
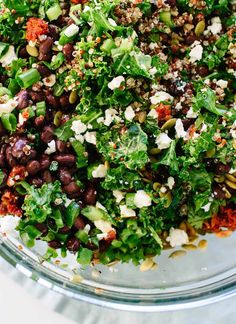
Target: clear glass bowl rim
point(143, 300)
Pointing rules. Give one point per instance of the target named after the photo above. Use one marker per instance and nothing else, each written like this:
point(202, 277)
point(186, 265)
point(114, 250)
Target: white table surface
point(23, 301)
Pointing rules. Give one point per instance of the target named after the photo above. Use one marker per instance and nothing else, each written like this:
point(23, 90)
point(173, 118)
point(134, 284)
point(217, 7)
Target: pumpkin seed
point(168, 198)
point(219, 179)
point(76, 278)
point(107, 165)
point(190, 247)
point(234, 144)
point(32, 51)
point(227, 193)
point(231, 184)
point(200, 27)
point(57, 118)
point(202, 244)
point(230, 177)
point(210, 153)
point(224, 234)
point(154, 151)
point(146, 265)
point(190, 230)
point(169, 124)
point(142, 117)
point(192, 238)
point(183, 226)
point(156, 185)
point(73, 97)
point(177, 254)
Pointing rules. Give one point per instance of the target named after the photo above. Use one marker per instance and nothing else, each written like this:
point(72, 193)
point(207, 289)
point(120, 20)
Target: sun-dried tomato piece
point(163, 111)
point(34, 28)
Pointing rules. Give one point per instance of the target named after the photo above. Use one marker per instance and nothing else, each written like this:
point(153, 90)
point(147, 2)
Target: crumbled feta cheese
point(101, 236)
point(153, 71)
point(116, 82)
point(67, 202)
point(51, 148)
point(21, 119)
point(177, 237)
point(129, 113)
point(142, 199)
point(9, 106)
point(127, 212)
point(163, 189)
point(163, 141)
point(78, 127)
point(153, 114)
point(100, 206)
point(50, 80)
point(152, 46)
point(110, 116)
point(9, 57)
point(196, 52)
point(112, 22)
point(204, 128)
point(90, 137)
point(100, 171)
point(216, 26)
point(191, 113)
point(80, 138)
point(71, 30)
point(222, 84)
point(87, 228)
point(8, 224)
point(103, 226)
point(207, 207)
point(160, 96)
point(179, 128)
point(119, 195)
point(170, 182)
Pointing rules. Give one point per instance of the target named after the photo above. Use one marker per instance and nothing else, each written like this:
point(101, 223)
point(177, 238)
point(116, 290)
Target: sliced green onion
point(28, 78)
point(72, 212)
point(58, 90)
point(3, 48)
point(58, 61)
point(73, 9)
point(82, 236)
point(40, 108)
point(9, 122)
point(13, 86)
point(68, 34)
point(54, 12)
point(82, 156)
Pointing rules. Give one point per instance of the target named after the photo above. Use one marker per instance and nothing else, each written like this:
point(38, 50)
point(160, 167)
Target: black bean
point(171, 3)
point(45, 162)
point(23, 53)
point(65, 159)
point(72, 188)
point(2, 160)
point(33, 167)
point(52, 100)
point(46, 46)
point(218, 192)
point(222, 168)
point(43, 70)
point(37, 182)
point(60, 146)
point(42, 227)
point(73, 244)
point(65, 176)
point(39, 121)
point(2, 130)
point(45, 57)
point(202, 70)
point(23, 99)
point(68, 50)
point(64, 102)
point(10, 159)
point(47, 177)
point(17, 148)
point(53, 32)
point(54, 244)
point(187, 122)
point(79, 223)
point(190, 39)
point(64, 230)
point(47, 134)
point(37, 96)
point(90, 195)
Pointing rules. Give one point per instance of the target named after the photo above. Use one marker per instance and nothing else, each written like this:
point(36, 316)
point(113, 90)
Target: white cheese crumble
point(50, 80)
point(100, 206)
point(21, 119)
point(116, 82)
point(177, 237)
point(71, 30)
point(191, 113)
point(170, 182)
point(160, 96)
point(9, 106)
point(51, 148)
point(179, 128)
point(110, 116)
point(112, 22)
point(127, 212)
point(196, 52)
point(103, 226)
point(8, 224)
point(119, 195)
point(222, 84)
point(90, 137)
point(129, 113)
point(78, 127)
point(153, 114)
point(163, 141)
point(9, 57)
point(142, 199)
point(100, 171)
point(207, 207)
point(216, 26)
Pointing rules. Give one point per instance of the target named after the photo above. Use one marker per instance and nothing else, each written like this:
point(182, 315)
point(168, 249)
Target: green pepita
point(73, 97)
point(169, 124)
point(200, 27)
point(177, 254)
point(230, 177)
point(32, 51)
point(57, 118)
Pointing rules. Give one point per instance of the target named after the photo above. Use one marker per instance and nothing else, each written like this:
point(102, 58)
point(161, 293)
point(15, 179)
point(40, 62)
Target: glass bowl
point(196, 279)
